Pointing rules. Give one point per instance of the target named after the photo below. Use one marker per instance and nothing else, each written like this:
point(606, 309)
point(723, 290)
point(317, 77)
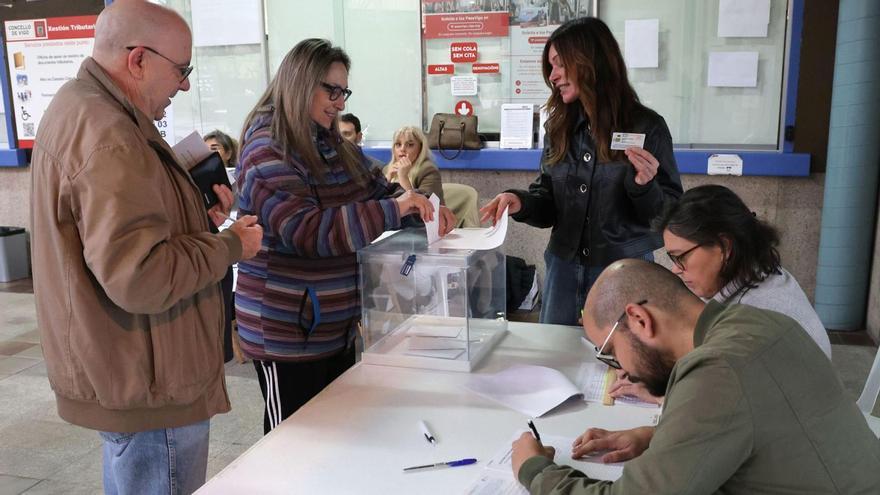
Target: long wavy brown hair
point(290, 93)
point(593, 62)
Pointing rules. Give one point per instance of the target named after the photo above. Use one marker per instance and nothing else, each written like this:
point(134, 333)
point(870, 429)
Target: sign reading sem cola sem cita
point(462, 52)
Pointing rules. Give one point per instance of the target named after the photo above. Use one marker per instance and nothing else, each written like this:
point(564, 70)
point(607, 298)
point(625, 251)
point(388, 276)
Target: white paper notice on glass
point(463, 85)
point(642, 43)
point(531, 390)
point(165, 125)
point(475, 238)
point(517, 125)
point(542, 119)
point(191, 150)
point(743, 18)
point(725, 164)
point(227, 22)
point(733, 69)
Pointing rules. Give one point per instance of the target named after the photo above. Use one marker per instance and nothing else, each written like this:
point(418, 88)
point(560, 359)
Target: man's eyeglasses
point(678, 259)
point(185, 70)
point(608, 358)
point(336, 91)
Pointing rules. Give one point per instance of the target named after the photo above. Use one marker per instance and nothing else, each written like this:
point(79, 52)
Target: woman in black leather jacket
point(599, 201)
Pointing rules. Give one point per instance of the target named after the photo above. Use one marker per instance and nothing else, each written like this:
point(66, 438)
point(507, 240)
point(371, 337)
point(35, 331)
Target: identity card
point(624, 140)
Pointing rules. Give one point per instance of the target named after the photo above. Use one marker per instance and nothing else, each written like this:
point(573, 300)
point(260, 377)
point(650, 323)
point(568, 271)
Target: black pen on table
point(534, 431)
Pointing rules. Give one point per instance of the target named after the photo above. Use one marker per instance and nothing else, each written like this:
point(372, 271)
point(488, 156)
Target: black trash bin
point(13, 254)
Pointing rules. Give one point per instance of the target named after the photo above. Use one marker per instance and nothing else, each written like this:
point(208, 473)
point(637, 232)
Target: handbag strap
point(440, 140)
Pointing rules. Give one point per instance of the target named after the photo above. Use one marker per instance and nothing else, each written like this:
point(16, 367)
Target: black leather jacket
point(597, 211)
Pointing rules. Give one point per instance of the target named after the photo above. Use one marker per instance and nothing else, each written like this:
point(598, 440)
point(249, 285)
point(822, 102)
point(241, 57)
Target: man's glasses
point(336, 91)
point(185, 70)
point(678, 259)
point(608, 358)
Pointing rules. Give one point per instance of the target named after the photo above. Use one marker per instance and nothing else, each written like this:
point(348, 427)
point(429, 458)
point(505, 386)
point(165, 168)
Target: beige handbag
point(453, 132)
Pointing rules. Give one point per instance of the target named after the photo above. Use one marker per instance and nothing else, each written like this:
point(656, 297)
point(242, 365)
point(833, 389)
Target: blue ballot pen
point(460, 462)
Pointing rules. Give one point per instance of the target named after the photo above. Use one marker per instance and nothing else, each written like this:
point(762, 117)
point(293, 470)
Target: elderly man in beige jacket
point(126, 268)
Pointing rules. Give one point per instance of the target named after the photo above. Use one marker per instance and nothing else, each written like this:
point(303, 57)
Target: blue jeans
point(566, 286)
point(164, 461)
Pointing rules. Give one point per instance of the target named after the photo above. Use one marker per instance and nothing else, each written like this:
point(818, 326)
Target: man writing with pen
point(752, 403)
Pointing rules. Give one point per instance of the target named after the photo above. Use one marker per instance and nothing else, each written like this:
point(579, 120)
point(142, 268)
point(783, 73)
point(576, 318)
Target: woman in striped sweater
point(296, 302)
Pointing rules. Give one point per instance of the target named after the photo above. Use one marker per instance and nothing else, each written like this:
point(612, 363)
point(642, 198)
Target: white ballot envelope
point(624, 140)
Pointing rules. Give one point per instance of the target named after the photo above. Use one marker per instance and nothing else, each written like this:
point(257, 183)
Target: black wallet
point(208, 172)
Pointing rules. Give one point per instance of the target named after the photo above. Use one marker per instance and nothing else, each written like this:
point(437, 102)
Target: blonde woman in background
point(411, 163)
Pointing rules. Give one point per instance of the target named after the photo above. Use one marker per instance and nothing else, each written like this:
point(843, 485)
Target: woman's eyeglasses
point(679, 259)
point(336, 91)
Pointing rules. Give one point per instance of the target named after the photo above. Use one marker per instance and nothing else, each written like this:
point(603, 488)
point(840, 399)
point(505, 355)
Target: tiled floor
point(41, 454)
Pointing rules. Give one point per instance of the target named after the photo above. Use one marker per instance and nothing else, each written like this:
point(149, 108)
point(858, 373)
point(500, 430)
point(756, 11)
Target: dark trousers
point(288, 386)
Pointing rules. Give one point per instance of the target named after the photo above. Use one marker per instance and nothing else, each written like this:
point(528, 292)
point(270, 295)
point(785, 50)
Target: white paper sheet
point(432, 228)
point(724, 164)
point(417, 343)
point(214, 23)
point(497, 476)
point(517, 125)
point(384, 235)
point(436, 331)
point(733, 69)
point(476, 238)
point(463, 85)
point(594, 379)
point(743, 18)
point(531, 390)
point(642, 43)
point(191, 150)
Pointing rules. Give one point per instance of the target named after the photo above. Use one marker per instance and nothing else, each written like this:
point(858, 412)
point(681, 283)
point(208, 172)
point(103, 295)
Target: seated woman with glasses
point(411, 163)
point(722, 251)
point(296, 302)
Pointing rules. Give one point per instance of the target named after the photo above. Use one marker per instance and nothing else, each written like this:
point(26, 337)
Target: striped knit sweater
point(297, 300)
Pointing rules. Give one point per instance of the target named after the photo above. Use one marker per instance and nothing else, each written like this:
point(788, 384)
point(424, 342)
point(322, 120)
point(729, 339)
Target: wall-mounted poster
point(42, 55)
point(531, 24)
point(499, 42)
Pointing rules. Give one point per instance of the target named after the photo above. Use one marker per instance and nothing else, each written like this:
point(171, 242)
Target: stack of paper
point(531, 390)
point(497, 477)
point(595, 380)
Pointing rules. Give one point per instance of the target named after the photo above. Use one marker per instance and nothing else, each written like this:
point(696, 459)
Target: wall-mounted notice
point(517, 125)
point(723, 164)
point(743, 18)
point(227, 22)
point(642, 43)
point(42, 55)
point(464, 85)
point(733, 69)
point(165, 126)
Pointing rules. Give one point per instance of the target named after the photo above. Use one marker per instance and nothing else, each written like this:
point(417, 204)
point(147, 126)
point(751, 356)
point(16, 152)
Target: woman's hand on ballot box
point(495, 208)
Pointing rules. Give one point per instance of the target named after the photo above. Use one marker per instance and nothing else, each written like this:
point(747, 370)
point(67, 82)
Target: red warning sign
point(464, 107)
point(463, 52)
point(441, 69)
point(485, 68)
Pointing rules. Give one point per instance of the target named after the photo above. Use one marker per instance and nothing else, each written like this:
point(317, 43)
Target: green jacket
point(755, 408)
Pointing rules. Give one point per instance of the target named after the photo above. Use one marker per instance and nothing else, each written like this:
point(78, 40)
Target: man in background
point(350, 128)
point(126, 270)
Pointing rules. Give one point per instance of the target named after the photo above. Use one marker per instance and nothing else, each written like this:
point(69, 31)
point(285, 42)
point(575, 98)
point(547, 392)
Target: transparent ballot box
point(428, 307)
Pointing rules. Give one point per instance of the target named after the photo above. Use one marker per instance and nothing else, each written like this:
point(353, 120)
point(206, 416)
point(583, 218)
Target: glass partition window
point(405, 69)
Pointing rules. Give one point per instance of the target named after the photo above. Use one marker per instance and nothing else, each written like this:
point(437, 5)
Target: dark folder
point(208, 172)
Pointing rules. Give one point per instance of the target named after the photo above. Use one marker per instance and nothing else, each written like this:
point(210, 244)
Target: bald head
point(136, 23)
point(629, 281)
